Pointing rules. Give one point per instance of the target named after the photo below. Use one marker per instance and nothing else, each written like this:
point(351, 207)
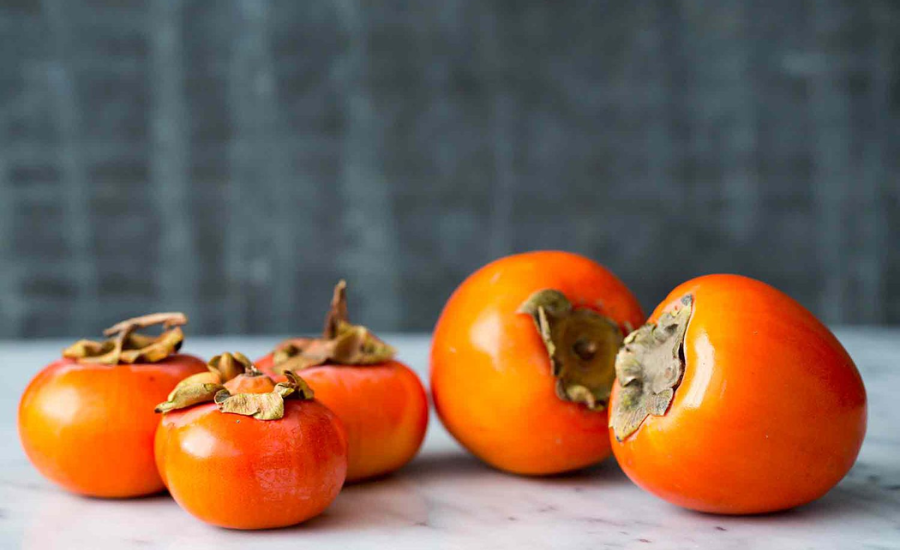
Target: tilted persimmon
point(240, 451)
point(522, 360)
point(734, 399)
point(380, 401)
point(86, 421)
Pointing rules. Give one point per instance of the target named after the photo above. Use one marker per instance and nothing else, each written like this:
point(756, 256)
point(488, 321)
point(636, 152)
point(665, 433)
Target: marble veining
point(447, 499)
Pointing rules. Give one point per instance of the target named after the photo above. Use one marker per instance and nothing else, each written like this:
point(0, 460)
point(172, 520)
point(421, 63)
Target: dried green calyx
point(582, 346)
point(649, 368)
point(213, 386)
point(341, 343)
point(126, 346)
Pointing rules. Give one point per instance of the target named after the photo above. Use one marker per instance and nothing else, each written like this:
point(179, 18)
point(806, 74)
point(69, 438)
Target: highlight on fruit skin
point(86, 421)
point(271, 454)
point(522, 361)
point(734, 399)
point(381, 401)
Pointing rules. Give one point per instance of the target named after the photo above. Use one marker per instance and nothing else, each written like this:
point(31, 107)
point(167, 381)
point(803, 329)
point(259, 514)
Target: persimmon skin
point(770, 413)
point(250, 384)
point(490, 372)
point(90, 428)
point(384, 410)
point(237, 472)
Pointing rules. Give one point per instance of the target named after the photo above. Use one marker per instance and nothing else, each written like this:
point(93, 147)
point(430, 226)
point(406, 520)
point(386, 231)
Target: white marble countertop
point(447, 499)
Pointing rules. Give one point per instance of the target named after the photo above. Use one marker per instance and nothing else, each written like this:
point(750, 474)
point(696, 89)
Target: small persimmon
point(522, 360)
point(380, 401)
point(251, 460)
point(231, 371)
point(734, 399)
point(86, 422)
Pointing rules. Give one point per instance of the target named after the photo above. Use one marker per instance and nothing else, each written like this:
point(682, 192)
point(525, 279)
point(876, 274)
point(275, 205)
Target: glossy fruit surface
point(491, 376)
point(238, 472)
point(90, 427)
point(383, 408)
point(769, 414)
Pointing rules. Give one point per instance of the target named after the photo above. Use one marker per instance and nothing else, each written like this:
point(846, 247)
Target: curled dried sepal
point(189, 394)
point(261, 406)
point(341, 342)
point(125, 346)
point(230, 365)
point(264, 406)
point(581, 344)
point(649, 368)
point(295, 387)
point(167, 320)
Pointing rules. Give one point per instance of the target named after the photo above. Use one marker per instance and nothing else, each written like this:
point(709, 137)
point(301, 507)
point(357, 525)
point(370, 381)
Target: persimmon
point(260, 459)
point(86, 421)
point(734, 399)
point(380, 401)
point(522, 360)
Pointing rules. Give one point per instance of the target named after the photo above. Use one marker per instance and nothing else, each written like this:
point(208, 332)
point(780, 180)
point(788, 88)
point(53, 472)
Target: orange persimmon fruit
point(86, 422)
point(522, 360)
point(252, 460)
point(231, 371)
point(380, 401)
point(734, 399)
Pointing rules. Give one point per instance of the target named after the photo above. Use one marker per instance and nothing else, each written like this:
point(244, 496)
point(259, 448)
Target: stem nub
point(582, 346)
point(649, 367)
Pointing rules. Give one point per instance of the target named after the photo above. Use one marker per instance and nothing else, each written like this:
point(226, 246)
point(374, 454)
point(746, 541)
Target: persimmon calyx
point(124, 345)
point(265, 406)
point(649, 367)
point(238, 374)
point(231, 365)
point(341, 342)
point(581, 344)
point(236, 386)
point(224, 370)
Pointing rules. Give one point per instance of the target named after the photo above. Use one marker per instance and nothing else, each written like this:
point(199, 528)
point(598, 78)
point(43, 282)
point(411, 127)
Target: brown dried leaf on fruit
point(124, 345)
point(341, 342)
point(581, 344)
point(649, 368)
point(264, 406)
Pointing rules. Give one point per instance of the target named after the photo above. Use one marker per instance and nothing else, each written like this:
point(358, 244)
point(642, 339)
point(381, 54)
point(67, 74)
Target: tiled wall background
point(234, 158)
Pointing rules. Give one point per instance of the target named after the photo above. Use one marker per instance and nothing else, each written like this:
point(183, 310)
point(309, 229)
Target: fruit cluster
point(731, 398)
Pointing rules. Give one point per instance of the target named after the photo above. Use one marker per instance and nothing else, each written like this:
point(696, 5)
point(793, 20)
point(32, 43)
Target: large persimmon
point(86, 421)
point(522, 360)
point(239, 451)
point(734, 399)
point(380, 401)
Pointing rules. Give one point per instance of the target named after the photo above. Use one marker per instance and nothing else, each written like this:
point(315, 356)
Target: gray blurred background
point(233, 159)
